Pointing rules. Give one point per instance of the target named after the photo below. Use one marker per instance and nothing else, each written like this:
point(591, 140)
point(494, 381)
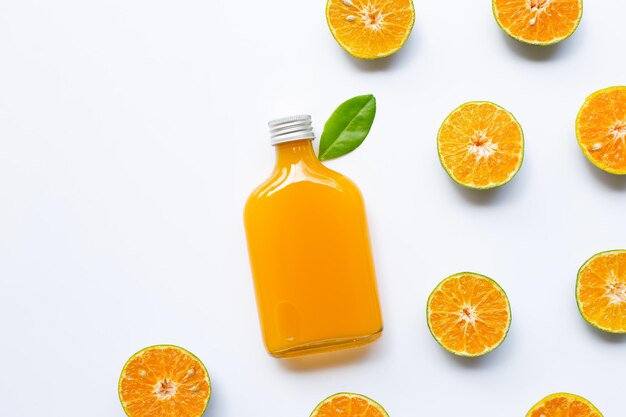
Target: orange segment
point(601, 291)
point(538, 22)
point(468, 314)
point(164, 381)
point(564, 405)
point(481, 145)
point(347, 404)
point(370, 29)
point(601, 129)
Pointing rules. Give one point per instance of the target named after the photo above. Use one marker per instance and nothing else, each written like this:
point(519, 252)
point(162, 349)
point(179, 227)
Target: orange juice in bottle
point(310, 254)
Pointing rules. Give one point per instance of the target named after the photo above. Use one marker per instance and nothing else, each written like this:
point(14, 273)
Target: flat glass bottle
point(310, 254)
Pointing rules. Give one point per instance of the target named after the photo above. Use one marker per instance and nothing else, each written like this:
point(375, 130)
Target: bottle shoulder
point(319, 176)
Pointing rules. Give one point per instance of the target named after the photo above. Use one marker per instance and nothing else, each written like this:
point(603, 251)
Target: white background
point(132, 131)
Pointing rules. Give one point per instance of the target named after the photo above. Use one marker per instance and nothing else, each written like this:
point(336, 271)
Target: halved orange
point(370, 29)
point(346, 404)
point(601, 291)
point(481, 145)
point(601, 129)
point(468, 314)
point(564, 405)
point(164, 381)
point(538, 22)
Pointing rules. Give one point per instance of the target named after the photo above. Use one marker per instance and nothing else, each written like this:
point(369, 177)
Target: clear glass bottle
point(310, 254)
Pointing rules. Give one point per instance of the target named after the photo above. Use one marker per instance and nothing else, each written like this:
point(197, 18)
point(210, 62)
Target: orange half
point(601, 129)
point(564, 405)
point(347, 404)
point(481, 145)
point(164, 381)
point(370, 29)
point(601, 291)
point(468, 314)
point(538, 22)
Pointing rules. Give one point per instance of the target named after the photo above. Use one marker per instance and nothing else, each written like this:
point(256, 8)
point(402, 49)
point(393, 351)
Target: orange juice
point(310, 252)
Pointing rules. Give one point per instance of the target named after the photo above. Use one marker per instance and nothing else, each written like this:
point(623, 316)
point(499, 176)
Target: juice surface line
point(310, 252)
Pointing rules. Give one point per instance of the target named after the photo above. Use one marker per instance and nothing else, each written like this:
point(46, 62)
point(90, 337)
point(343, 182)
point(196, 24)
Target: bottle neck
point(295, 152)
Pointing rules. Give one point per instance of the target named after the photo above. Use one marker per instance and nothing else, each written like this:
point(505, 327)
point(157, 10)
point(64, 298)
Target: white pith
point(468, 314)
point(538, 5)
point(618, 130)
point(372, 17)
point(536, 8)
point(615, 290)
point(481, 146)
point(165, 389)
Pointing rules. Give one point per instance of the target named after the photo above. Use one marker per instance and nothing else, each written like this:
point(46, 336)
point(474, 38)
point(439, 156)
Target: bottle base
point(327, 345)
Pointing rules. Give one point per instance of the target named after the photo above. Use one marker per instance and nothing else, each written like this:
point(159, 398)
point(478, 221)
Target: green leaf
point(347, 127)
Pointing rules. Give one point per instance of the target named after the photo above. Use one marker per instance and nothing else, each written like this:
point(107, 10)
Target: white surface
point(131, 133)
